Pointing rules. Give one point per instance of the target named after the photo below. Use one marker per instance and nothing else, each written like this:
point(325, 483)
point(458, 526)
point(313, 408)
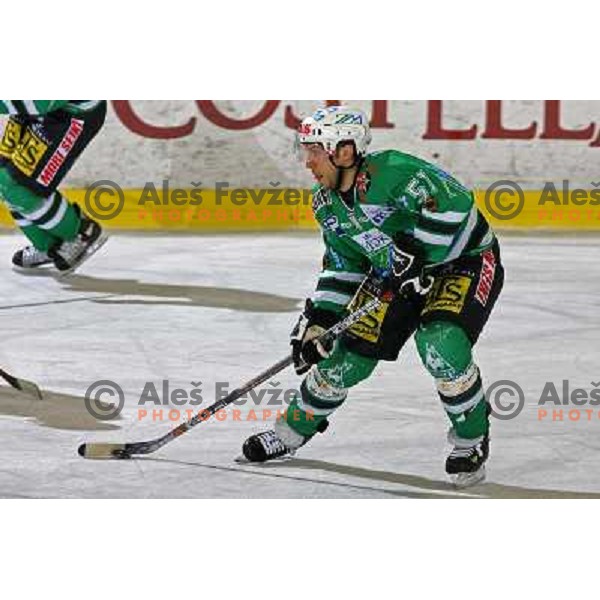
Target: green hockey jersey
point(43, 107)
point(394, 193)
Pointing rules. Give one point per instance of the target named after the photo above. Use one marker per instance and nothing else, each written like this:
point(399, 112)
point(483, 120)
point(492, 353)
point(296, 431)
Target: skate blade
point(242, 460)
point(41, 270)
point(90, 251)
point(464, 480)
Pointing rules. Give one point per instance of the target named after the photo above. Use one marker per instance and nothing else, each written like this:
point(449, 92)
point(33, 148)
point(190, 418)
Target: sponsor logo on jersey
point(448, 293)
point(11, 138)
point(377, 214)
point(372, 240)
point(39, 130)
point(369, 326)
point(57, 159)
point(332, 224)
point(332, 258)
point(486, 277)
point(29, 153)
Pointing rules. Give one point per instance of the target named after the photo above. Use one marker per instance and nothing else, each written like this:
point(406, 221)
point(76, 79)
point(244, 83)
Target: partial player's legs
point(454, 315)
point(323, 390)
point(57, 229)
point(45, 221)
point(35, 155)
point(446, 353)
point(36, 254)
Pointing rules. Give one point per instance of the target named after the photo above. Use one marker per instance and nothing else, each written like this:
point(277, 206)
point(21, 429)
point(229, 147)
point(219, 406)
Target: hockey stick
point(127, 450)
point(23, 385)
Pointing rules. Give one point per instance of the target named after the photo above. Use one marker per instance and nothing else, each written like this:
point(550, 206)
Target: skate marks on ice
point(53, 302)
point(265, 470)
point(486, 489)
point(113, 291)
point(56, 410)
point(422, 487)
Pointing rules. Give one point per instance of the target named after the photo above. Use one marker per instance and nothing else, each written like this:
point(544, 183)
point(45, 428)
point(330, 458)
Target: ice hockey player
point(42, 141)
point(401, 229)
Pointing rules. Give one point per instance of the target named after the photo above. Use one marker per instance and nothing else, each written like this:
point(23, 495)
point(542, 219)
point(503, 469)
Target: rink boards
point(159, 207)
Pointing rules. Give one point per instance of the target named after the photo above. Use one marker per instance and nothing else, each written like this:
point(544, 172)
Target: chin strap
point(358, 161)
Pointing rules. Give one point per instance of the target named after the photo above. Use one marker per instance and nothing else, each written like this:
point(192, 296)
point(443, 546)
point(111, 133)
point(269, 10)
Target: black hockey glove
point(307, 350)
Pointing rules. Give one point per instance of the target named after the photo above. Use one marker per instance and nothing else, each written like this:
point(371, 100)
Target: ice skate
point(30, 260)
point(466, 463)
point(280, 442)
point(69, 256)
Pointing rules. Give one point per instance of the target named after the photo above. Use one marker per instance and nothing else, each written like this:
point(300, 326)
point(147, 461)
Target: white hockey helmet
point(331, 125)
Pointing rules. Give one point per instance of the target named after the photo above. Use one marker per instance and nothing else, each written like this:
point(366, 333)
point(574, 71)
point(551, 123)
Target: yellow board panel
point(260, 210)
point(535, 210)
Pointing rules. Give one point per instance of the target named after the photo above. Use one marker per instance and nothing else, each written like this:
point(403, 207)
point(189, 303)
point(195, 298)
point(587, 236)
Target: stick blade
point(23, 385)
point(28, 387)
point(103, 451)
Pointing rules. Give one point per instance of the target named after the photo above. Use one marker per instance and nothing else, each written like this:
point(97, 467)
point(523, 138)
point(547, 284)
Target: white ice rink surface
point(219, 309)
